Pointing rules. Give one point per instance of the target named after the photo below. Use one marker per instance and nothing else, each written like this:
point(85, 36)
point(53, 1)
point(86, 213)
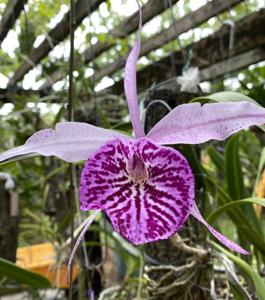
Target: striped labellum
point(146, 190)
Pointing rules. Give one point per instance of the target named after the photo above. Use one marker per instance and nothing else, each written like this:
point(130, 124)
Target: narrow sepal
point(224, 240)
point(130, 86)
point(90, 220)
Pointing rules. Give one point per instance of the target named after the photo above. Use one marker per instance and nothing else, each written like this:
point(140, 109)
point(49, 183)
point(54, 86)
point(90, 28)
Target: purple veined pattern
point(146, 190)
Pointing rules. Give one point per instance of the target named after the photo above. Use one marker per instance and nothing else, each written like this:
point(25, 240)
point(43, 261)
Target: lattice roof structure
point(206, 53)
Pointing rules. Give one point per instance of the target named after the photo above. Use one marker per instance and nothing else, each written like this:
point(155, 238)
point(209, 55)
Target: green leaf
point(257, 282)
point(233, 171)
point(192, 156)
point(224, 97)
point(18, 158)
point(125, 127)
point(234, 178)
point(229, 206)
point(59, 115)
point(103, 118)
point(11, 271)
point(216, 158)
point(108, 2)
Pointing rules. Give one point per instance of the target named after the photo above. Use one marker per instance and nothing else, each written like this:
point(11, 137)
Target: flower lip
point(146, 190)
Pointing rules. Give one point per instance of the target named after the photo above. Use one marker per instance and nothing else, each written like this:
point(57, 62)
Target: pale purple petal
point(233, 246)
point(90, 220)
point(70, 141)
point(146, 190)
point(130, 84)
point(194, 124)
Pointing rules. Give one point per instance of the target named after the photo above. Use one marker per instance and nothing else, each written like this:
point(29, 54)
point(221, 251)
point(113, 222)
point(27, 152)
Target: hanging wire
point(186, 55)
point(172, 56)
point(150, 104)
point(229, 22)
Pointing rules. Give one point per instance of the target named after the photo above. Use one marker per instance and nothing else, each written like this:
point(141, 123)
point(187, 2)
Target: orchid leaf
point(238, 290)
point(224, 208)
point(125, 127)
point(192, 157)
point(22, 276)
point(16, 158)
point(103, 118)
point(194, 124)
point(256, 281)
point(70, 141)
point(216, 158)
point(233, 171)
point(224, 97)
point(234, 178)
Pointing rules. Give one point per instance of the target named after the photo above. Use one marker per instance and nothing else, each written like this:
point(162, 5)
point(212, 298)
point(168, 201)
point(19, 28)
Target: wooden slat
point(206, 52)
point(238, 62)
point(219, 69)
point(9, 16)
point(127, 26)
point(233, 64)
point(55, 36)
point(188, 22)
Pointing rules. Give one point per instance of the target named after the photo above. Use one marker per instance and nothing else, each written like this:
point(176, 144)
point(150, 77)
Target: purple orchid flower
point(147, 190)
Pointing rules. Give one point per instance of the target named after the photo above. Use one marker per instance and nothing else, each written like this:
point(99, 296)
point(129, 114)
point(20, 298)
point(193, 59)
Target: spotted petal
point(70, 141)
point(194, 124)
point(149, 210)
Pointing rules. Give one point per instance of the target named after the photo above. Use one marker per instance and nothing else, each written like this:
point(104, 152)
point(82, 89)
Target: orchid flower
point(146, 189)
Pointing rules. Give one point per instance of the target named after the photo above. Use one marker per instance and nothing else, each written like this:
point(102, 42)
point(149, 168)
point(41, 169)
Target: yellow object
point(41, 259)
point(260, 192)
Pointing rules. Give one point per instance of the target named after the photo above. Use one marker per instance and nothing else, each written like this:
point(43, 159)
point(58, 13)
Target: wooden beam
point(14, 94)
point(249, 34)
point(11, 13)
point(55, 36)
point(219, 69)
point(235, 63)
point(126, 27)
point(188, 22)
